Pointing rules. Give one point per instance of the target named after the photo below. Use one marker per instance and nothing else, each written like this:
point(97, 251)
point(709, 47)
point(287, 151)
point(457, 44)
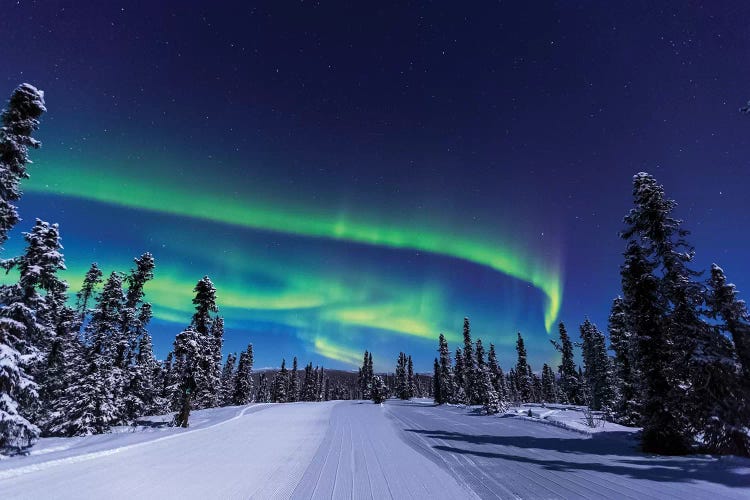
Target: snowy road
point(360, 450)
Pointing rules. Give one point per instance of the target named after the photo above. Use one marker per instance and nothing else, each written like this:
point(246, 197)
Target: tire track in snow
point(363, 456)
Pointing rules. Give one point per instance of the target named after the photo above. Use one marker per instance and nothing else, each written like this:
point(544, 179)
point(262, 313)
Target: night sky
point(363, 176)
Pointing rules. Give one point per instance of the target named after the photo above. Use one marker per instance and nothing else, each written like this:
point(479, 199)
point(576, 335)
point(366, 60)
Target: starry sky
point(363, 175)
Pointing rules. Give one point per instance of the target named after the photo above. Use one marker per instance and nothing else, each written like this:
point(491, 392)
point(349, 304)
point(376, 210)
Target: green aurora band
point(160, 195)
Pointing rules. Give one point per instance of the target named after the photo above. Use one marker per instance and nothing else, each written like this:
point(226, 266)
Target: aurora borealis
point(356, 177)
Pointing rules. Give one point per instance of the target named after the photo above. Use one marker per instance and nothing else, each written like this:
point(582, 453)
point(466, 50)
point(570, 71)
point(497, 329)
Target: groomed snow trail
point(514, 458)
point(363, 456)
point(359, 450)
point(261, 454)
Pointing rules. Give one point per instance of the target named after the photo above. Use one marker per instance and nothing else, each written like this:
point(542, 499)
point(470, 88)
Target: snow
point(356, 449)
point(568, 417)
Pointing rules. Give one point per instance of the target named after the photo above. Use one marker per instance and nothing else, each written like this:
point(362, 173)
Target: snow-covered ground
point(361, 450)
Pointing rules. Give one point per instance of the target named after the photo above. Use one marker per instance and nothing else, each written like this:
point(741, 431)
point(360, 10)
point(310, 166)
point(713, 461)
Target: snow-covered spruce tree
point(481, 368)
point(207, 375)
point(19, 120)
point(723, 304)
point(402, 382)
point(308, 384)
point(293, 392)
point(523, 380)
point(722, 381)
point(17, 433)
point(281, 384)
point(264, 391)
point(365, 381)
point(228, 374)
point(471, 373)
point(495, 371)
point(549, 391)
point(410, 378)
point(18, 396)
point(511, 385)
point(243, 384)
point(491, 403)
point(189, 358)
point(95, 402)
point(627, 397)
point(216, 340)
point(436, 380)
point(536, 386)
point(135, 315)
point(446, 384)
point(667, 341)
point(37, 303)
point(133, 322)
point(570, 384)
point(597, 367)
point(487, 393)
point(459, 379)
point(62, 360)
point(143, 393)
point(86, 294)
point(379, 390)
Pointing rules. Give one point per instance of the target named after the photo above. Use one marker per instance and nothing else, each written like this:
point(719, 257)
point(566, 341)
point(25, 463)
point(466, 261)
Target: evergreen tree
point(402, 381)
point(479, 395)
point(207, 376)
point(98, 401)
point(597, 367)
point(134, 321)
point(294, 382)
point(18, 351)
point(471, 374)
point(84, 297)
point(379, 390)
point(511, 385)
point(228, 379)
point(536, 386)
point(19, 120)
point(243, 380)
point(264, 391)
point(722, 377)
point(142, 397)
point(523, 380)
point(64, 365)
point(281, 384)
point(32, 314)
point(366, 374)
point(446, 374)
point(188, 360)
point(548, 392)
point(436, 381)
point(495, 371)
point(627, 398)
point(724, 305)
point(410, 378)
point(491, 403)
point(570, 385)
point(460, 377)
point(661, 299)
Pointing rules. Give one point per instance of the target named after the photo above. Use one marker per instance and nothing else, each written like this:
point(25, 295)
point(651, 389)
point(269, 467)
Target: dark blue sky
point(500, 123)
